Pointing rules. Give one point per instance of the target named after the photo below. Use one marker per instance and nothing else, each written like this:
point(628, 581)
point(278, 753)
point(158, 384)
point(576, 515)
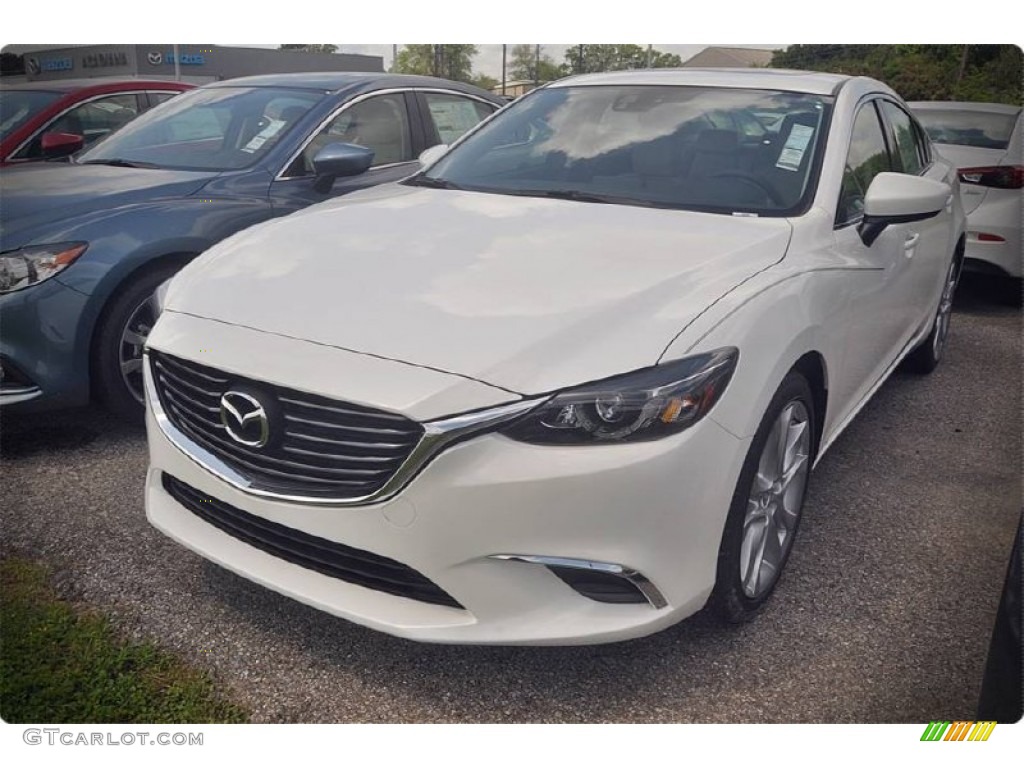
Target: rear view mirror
point(898, 198)
point(56, 144)
point(339, 159)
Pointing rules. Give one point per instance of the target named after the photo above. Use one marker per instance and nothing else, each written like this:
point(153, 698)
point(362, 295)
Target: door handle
point(910, 243)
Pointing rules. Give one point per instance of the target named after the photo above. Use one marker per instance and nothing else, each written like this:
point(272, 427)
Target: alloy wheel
point(942, 317)
point(776, 496)
point(133, 340)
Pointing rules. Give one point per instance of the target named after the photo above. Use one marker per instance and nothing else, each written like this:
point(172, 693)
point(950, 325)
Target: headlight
point(643, 405)
point(35, 263)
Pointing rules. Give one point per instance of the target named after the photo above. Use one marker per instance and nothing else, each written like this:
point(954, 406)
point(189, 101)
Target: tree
point(608, 58)
point(480, 80)
point(321, 48)
point(920, 72)
point(454, 62)
point(524, 65)
point(12, 64)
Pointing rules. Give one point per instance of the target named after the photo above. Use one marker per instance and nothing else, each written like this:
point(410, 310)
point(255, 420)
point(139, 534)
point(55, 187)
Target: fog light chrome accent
point(634, 578)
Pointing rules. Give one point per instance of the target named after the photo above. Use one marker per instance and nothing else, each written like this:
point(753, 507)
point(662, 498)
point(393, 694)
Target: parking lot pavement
point(883, 615)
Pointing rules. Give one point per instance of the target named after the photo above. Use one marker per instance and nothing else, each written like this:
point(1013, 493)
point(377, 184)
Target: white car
point(984, 142)
point(565, 385)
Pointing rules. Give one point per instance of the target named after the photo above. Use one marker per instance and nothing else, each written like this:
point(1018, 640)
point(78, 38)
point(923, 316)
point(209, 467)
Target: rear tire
point(928, 355)
point(766, 507)
point(120, 336)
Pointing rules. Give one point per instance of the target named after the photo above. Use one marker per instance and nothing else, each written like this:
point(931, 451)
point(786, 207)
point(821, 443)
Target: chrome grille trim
point(191, 395)
point(434, 437)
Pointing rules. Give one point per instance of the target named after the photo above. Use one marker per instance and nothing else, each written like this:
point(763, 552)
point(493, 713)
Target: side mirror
point(339, 159)
point(61, 144)
point(433, 154)
point(898, 198)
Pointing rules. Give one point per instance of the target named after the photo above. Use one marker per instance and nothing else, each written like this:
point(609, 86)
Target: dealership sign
point(101, 60)
point(156, 58)
point(37, 66)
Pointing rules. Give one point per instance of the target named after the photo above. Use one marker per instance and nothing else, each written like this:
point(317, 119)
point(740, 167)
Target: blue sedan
point(84, 245)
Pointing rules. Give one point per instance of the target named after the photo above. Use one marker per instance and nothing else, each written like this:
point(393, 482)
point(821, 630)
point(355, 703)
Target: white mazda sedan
point(567, 383)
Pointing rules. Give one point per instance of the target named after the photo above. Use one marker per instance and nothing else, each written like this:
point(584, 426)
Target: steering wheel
point(761, 184)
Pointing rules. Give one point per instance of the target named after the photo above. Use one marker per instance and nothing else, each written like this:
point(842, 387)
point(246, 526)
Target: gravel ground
point(883, 615)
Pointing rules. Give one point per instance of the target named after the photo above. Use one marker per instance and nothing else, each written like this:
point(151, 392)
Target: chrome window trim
point(76, 105)
point(437, 436)
point(358, 99)
point(642, 583)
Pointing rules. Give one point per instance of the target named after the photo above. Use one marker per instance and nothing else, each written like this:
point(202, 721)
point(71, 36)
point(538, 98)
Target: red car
point(43, 120)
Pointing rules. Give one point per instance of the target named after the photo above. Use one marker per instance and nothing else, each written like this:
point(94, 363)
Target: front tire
point(119, 340)
point(767, 504)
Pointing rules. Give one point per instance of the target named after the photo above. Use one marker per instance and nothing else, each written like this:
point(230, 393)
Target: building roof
point(768, 79)
point(719, 56)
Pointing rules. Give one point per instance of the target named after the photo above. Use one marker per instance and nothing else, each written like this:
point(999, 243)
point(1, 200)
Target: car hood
point(526, 294)
point(40, 193)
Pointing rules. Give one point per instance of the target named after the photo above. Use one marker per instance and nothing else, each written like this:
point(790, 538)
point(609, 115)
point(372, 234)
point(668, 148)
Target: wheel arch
point(812, 366)
point(178, 258)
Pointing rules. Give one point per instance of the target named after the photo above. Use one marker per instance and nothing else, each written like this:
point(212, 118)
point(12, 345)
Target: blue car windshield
point(208, 129)
point(699, 148)
point(17, 107)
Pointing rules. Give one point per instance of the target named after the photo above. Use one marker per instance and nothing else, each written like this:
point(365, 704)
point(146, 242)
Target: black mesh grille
point(599, 586)
point(355, 566)
point(318, 448)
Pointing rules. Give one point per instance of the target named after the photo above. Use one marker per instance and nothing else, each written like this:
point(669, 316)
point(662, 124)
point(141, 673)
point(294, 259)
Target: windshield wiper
point(578, 196)
point(119, 162)
point(432, 183)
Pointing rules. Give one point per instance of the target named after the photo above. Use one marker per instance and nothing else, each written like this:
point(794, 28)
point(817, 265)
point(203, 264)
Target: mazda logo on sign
point(155, 58)
point(245, 419)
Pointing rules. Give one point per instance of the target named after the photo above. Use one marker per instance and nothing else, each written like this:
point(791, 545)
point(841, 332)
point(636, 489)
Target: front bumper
point(656, 508)
point(39, 330)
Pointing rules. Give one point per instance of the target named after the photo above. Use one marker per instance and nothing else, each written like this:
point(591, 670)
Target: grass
point(60, 664)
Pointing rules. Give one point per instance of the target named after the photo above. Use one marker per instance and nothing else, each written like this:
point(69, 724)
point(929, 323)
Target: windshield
point(713, 149)
point(17, 107)
point(990, 130)
point(215, 129)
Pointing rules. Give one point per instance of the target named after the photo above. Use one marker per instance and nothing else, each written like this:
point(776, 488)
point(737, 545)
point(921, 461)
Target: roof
point(966, 106)
point(333, 82)
point(67, 86)
point(766, 79)
point(719, 56)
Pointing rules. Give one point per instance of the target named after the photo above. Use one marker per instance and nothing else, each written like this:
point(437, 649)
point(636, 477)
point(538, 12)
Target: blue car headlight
point(36, 263)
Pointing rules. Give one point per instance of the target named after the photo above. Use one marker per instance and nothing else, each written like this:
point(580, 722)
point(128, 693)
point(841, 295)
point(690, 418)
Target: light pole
point(504, 53)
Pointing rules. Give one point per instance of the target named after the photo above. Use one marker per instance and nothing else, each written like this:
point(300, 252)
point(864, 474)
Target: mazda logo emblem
point(155, 58)
point(245, 419)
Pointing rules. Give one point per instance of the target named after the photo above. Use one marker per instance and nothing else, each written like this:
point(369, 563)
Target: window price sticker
point(793, 151)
